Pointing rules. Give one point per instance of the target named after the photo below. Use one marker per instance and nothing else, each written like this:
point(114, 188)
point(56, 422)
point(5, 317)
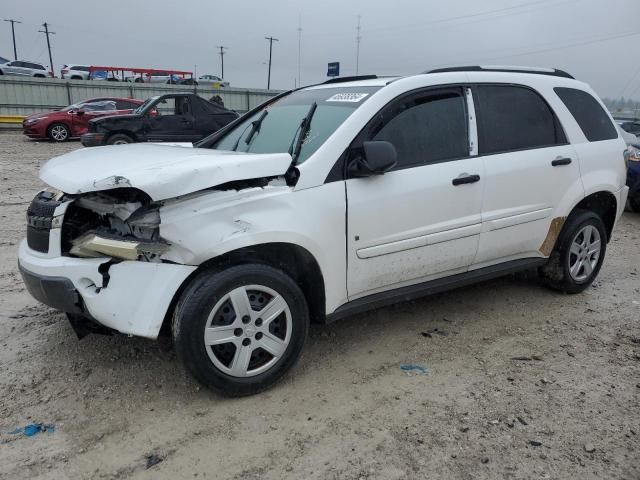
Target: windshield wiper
point(294, 151)
point(255, 127)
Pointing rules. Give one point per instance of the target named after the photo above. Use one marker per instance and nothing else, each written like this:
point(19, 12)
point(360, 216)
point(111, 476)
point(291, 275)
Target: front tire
point(238, 331)
point(58, 132)
point(578, 254)
point(119, 139)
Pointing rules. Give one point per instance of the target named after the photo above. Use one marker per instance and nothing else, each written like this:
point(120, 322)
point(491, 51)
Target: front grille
point(39, 218)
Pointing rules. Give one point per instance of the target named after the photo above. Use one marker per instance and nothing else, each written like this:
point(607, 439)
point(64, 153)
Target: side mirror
point(378, 157)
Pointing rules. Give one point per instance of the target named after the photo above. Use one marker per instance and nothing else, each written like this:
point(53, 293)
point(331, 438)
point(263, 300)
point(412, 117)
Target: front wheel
point(578, 254)
point(119, 139)
point(58, 132)
point(238, 331)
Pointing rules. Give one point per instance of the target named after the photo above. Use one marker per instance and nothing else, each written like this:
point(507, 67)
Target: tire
point(578, 254)
point(119, 139)
point(207, 301)
point(39, 75)
point(58, 132)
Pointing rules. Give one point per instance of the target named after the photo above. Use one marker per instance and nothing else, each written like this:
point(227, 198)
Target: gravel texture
point(521, 382)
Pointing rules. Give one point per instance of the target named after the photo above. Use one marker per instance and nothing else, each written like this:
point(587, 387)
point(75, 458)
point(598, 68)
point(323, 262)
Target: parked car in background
point(182, 117)
point(25, 69)
point(325, 202)
point(632, 158)
point(72, 121)
point(630, 126)
point(4, 60)
point(75, 72)
point(206, 80)
point(159, 77)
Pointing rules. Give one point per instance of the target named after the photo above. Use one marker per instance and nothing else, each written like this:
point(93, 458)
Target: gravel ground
point(522, 382)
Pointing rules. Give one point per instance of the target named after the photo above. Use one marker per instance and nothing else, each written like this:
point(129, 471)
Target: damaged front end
point(121, 223)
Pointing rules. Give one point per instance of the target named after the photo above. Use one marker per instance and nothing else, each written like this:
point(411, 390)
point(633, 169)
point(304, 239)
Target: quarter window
point(514, 118)
point(425, 128)
point(593, 120)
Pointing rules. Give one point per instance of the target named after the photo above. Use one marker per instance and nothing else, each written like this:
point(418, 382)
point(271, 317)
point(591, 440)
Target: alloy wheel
point(248, 331)
point(59, 133)
point(584, 253)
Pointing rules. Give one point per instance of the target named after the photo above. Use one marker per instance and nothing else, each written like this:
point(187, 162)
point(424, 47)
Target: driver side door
point(174, 122)
point(422, 219)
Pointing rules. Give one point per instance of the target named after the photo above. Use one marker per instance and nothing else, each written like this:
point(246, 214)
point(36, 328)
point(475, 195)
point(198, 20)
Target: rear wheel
point(578, 254)
point(58, 132)
point(119, 139)
point(240, 330)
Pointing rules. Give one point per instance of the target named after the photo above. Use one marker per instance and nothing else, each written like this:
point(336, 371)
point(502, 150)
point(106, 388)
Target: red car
point(72, 121)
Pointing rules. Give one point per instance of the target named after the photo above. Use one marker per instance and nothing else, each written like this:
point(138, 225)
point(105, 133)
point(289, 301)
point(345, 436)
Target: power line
point(13, 35)
point(221, 53)
point(358, 38)
point(299, 48)
point(271, 40)
point(47, 33)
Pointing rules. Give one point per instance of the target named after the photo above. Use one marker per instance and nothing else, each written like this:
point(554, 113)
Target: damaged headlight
point(632, 154)
point(94, 245)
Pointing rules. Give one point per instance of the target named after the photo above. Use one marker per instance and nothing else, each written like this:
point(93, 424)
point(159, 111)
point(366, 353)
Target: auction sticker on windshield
point(347, 97)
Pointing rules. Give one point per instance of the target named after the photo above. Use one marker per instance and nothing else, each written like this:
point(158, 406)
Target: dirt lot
point(569, 407)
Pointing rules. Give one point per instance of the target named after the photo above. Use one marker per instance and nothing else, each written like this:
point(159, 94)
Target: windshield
point(275, 131)
point(142, 108)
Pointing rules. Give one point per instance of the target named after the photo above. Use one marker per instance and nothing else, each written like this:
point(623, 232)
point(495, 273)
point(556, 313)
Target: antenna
point(358, 37)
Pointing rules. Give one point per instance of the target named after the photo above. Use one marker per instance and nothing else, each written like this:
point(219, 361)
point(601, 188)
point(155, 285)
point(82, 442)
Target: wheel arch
point(604, 204)
point(128, 133)
point(292, 259)
point(58, 122)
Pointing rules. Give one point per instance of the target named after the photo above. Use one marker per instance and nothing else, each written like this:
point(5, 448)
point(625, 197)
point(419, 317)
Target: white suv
point(25, 69)
point(326, 201)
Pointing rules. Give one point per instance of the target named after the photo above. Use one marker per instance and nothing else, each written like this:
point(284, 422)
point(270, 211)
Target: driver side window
point(425, 128)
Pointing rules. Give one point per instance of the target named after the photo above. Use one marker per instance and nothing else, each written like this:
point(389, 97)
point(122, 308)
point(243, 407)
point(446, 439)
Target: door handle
point(465, 178)
point(560, 161)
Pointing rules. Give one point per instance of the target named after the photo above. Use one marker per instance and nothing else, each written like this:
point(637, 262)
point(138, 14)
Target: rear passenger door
point(421, 220)
point(531, 171)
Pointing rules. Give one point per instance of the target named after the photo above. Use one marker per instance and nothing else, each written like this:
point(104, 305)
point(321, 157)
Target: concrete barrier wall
point(24, 96)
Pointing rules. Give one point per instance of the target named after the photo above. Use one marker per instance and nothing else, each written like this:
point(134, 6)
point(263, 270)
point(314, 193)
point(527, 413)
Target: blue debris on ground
point(410, 368)
point(33, 429)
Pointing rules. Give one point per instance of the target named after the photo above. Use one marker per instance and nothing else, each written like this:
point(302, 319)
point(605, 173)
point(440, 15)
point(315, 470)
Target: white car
point(211, 80)
point(75, 72)
point(25, 69)
point(323, 202)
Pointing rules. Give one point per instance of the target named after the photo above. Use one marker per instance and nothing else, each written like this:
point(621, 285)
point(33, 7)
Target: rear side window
point(514, 118)
point(586, 110)
point(426, 128)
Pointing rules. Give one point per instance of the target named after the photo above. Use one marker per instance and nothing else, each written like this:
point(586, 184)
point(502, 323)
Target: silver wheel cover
point(248, 331)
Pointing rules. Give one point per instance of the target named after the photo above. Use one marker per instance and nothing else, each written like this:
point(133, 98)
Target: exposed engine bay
point(121, 223)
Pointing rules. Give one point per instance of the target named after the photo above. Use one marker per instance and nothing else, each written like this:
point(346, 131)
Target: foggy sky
point(595, 40)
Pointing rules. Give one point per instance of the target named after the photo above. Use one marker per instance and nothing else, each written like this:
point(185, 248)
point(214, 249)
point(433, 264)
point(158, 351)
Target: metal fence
point(24, 96)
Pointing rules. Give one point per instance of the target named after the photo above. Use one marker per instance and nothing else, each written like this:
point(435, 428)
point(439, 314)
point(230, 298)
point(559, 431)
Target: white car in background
point(75, 72)
point(25, 69)
point(212, 80)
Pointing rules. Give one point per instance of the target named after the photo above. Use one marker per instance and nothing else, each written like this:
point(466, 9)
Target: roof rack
point(554, 72)
point(350, 79)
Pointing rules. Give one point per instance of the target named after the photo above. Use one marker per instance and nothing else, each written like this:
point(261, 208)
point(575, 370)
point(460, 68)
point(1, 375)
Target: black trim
point(352, 78)
point(412, 292)
point(57, 292)
point(478, 68)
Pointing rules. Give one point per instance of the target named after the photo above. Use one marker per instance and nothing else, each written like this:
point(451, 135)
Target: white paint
point(159, 170)
point(411, 225)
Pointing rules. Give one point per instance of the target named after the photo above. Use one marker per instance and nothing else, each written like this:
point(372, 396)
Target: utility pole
point(222, 49)
point(271, 40)
point(358, 37)
point(13, 34)
point(299, 48)
point(47, 33)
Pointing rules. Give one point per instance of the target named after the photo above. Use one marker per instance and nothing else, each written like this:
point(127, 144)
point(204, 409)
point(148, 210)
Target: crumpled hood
point(161, 171)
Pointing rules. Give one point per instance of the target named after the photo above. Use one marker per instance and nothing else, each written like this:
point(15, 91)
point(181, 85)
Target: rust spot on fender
point(554, 230)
